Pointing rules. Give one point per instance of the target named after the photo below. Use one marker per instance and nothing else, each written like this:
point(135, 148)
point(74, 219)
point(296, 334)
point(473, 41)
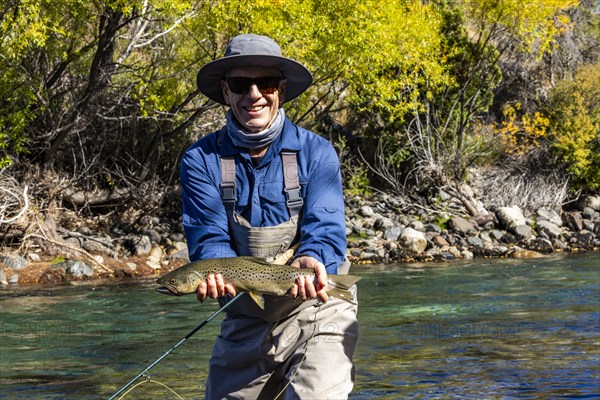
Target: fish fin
point(258, 299)
point(256, 260)
point(340, 286)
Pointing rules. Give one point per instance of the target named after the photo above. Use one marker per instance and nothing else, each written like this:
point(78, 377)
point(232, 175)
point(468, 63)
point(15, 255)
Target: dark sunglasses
point(266, 84)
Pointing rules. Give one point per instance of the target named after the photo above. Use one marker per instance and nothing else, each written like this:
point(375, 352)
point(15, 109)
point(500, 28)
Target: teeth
point(255, 108)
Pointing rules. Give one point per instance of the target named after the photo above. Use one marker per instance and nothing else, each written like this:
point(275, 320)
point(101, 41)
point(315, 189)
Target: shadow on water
point(489, 329)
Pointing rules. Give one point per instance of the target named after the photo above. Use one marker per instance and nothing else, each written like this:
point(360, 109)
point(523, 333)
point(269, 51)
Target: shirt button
point(255, 201)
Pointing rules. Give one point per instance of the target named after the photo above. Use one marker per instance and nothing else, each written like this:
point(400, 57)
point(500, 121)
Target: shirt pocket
point(272, 193)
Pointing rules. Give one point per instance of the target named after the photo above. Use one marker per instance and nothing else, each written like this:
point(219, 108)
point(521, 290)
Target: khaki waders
point(292, 349)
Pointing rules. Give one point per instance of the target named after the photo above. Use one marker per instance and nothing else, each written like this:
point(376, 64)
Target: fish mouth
point(168, 290)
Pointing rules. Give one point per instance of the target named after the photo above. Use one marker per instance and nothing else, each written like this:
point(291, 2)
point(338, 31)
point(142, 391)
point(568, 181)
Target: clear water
point(494, 329)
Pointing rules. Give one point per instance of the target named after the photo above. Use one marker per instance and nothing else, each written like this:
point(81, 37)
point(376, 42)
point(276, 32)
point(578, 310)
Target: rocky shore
point(380, 230)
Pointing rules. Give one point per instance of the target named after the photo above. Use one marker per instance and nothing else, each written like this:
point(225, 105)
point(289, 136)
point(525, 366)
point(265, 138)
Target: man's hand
point(306, 288)
point(214, 287)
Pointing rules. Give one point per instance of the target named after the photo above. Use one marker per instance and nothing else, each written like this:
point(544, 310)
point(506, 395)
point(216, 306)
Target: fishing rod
point(186, 337)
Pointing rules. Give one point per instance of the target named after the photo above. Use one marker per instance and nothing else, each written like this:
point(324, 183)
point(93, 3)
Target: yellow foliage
point(521, 132)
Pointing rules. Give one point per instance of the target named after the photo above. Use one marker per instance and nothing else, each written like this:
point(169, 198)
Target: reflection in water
point(493, 329)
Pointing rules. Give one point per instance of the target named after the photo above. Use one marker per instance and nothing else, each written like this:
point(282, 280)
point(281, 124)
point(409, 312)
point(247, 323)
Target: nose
point(254, 93)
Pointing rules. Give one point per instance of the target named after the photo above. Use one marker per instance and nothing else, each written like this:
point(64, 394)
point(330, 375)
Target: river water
point(488, 329)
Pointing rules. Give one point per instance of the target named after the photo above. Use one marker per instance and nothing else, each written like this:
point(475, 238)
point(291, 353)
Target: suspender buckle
point(228, 192)
point(294, 198)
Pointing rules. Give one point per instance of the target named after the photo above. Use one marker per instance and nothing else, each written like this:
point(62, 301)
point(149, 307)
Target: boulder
point(588, 212)
point(14, 261)
point(417, 225)
point(573, 221)
point(592, 202)
point(79, 269)
point(523, 231)
point(461, 225)
point(511, 217)
point(366, 211)
point(142, 246)
point(549, 228)
point(413, 240)
point(548, 214)
point(392, 232)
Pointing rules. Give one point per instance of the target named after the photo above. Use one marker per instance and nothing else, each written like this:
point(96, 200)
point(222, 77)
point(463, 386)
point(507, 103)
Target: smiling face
point(254, 110)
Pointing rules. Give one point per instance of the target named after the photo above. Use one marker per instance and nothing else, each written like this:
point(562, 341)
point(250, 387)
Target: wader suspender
point(291, 183)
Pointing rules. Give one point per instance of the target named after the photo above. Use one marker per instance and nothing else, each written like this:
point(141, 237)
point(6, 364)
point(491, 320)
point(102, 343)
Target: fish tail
point(340, 285)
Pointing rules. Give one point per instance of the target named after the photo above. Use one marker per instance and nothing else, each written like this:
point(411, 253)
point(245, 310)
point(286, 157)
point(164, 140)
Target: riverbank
point(381, 229)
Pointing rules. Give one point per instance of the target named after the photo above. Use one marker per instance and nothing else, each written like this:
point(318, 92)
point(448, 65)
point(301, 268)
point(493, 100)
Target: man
point(257, 187)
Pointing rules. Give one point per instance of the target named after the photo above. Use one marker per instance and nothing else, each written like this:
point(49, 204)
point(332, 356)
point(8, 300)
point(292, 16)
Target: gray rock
point(392, 232)
point(366, 255)
point(355, 252)
point(381, 223)
point(3, 280)
point(547, 214)
point(178, 255)
point(559, 244)
point(549, 228)
point(14, 279)
point(511, 217)
point(483, 219)
point(485, 237)
point(432, 228)
point(496, 234)
point(413, 240)
point(461, 225)
point(93, 246)
point(366, 211)
point(523, 231)
point(592, 202)
point(153, 235)
point(588, 212)
point(417, 225)
point(143, 246)
point(79, 269)
point(14, 261)
point(35, 257)
point(588, 225)
point(176, 237)
point(573, 221)
point(475, 241)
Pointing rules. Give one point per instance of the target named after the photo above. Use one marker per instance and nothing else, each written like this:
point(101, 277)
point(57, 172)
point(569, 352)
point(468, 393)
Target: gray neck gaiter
point(249, 140)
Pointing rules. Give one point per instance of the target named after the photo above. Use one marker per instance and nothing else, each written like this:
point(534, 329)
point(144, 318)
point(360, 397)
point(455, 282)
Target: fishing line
point(150, 381)
point(186, 337)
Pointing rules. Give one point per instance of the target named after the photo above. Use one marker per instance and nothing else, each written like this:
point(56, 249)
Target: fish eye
point(173, 281)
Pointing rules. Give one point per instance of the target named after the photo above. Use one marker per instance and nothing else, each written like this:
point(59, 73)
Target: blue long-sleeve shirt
point(260, 195)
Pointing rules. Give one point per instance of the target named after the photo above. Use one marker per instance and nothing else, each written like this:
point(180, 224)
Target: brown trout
point(249, 274)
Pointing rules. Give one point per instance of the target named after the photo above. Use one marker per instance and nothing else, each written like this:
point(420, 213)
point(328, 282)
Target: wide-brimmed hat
point(250, 50)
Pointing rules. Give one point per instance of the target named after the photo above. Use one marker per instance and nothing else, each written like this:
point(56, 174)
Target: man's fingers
point(310, 290)
point(301, 287)
point(220, 283)
point(230, 289)
point(201, 291)
point(211, 287)
point(294, 290)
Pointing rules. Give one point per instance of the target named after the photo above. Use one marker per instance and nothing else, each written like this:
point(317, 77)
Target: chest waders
point(266, 241)
point(284, 351)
